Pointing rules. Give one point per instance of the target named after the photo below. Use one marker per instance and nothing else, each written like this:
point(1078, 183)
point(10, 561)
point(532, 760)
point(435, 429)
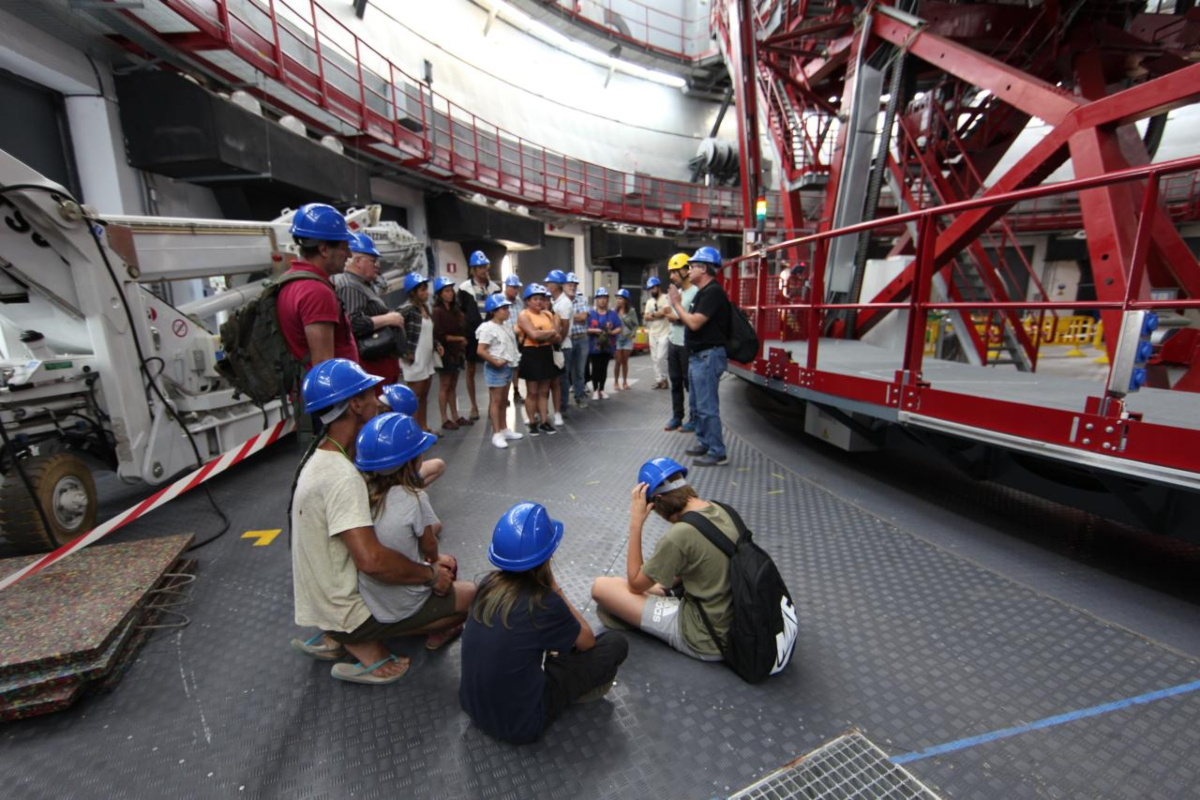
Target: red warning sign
point(180, 328)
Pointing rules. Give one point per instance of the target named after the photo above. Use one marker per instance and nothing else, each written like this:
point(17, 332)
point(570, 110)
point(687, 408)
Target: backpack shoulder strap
point(733, 515)
point(710, 531)
point(296, 275)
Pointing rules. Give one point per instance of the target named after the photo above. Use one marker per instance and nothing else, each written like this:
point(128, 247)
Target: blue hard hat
point(361, 243)
point(524, 538)
point(653, 281)
point(441, 282)
point(656, 471)
point(333, 381)
point(390, 440)
point(572, 277)
point(412, 280)
point(495, 301)
point(706, 255)
point(400, 398)
point(602, 292)
point(555, 276)
point(623, 293)
point(535, 288)
point(513, 280)
point(478, 259)
point(320, 221)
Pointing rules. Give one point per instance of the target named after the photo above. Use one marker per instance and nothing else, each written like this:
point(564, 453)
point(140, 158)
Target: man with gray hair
point(706, 327)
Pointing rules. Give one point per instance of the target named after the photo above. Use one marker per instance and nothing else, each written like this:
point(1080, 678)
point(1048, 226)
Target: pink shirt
point(302, 303)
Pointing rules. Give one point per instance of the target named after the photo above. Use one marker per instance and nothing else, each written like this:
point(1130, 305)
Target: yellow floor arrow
point(264, 537)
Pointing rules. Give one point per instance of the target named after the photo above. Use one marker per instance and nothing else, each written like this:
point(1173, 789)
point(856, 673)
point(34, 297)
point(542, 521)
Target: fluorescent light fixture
point(540, 30)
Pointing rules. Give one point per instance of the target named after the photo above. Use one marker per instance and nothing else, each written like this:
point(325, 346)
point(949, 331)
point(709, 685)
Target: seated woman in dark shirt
point(527, 652)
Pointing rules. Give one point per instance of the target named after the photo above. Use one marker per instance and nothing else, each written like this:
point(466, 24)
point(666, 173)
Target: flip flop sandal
point(475, 415)
point(357, 673)
point(316, 648)
point(436, 641)
point(450, 425)
point(464, 421)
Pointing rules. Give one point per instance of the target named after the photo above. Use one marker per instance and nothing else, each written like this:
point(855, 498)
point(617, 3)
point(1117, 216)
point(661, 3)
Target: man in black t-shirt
point(705, 329)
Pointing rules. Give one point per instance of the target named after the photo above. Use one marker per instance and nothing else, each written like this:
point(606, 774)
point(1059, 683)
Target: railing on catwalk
point(364, 97)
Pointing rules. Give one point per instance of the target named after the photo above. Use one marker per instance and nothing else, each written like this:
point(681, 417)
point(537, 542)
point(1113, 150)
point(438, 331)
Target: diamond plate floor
point(901, 637)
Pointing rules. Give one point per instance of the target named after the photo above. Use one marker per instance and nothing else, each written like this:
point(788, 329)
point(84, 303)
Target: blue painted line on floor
point(1048, 722)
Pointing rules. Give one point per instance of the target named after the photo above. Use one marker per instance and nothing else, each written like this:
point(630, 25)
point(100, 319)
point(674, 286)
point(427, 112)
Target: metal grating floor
point(848, 768)
point(909, 633)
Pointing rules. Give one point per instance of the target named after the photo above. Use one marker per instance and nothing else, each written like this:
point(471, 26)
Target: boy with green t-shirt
point(684, 562)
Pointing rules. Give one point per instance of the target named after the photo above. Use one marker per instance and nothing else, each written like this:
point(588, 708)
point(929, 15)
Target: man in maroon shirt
point(311, 317)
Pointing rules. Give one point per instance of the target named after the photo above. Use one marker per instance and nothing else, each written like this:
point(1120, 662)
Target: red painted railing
point(748, 281)
point(335, 79)
point(684, 38)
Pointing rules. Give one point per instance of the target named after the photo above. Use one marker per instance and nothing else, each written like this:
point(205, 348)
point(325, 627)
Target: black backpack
point(764, 620)
point(257, 361)
point(742, 342)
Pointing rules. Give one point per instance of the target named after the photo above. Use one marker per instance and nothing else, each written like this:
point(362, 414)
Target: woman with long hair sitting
point(389, 450)
point(527, 652)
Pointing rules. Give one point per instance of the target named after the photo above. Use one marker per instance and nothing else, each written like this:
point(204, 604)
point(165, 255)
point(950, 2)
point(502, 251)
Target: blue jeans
point(572, 376)
point(704, 374)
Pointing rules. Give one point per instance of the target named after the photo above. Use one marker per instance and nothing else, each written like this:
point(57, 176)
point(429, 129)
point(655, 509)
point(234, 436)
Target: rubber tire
point(20, 524)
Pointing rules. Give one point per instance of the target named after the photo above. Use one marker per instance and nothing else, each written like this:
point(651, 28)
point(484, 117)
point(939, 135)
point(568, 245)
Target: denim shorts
point(624, 343)
point(497, 376)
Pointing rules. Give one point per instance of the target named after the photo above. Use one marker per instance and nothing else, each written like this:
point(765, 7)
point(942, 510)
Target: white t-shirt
point(501, 342)
point(405, 517)
point(565, 309)
point(654, 305)
point(331, 498)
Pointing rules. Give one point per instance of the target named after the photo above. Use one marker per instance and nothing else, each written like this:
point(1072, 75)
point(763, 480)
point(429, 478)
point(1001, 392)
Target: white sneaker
point(558, 420)
point(603, 396)
point(596, 394)
point(498, 440)
point(512, 435)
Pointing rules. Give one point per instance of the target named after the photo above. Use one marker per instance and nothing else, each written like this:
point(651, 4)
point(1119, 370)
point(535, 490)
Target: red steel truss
point(963, 82)
point(1106, 432)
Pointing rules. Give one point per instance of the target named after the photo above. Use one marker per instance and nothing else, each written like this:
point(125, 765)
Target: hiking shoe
point(498, 440)
point(672, 425)
point(598, 693)
point(548, 428)
point(711, 461)
point(698, 450)
point(533, 429)
point(512, 435)
point(558, 420)
point(688, 427)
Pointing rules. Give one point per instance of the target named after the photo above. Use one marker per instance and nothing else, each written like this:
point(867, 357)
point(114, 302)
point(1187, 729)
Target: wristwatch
point(433, 578)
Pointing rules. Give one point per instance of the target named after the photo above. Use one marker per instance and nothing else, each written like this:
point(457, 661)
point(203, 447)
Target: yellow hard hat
point(678, 261)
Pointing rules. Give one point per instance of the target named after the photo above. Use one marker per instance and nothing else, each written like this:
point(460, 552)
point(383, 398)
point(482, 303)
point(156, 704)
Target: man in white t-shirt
point(658, 326)
point(333, 534)
point(563, 309)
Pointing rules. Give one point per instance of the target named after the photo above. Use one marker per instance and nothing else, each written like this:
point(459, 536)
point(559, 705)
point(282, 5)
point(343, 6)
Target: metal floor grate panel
point(848, 768)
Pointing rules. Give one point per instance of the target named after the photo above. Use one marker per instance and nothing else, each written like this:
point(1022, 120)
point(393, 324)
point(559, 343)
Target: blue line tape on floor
point(1048, 722)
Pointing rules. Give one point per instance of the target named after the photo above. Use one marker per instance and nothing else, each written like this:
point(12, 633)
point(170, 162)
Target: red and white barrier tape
point(164, 495)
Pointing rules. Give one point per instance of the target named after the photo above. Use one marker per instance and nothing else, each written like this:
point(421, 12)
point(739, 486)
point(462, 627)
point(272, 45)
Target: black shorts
point(473, 349)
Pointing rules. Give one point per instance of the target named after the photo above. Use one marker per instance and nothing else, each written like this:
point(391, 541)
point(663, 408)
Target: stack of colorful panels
point(74, 627)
